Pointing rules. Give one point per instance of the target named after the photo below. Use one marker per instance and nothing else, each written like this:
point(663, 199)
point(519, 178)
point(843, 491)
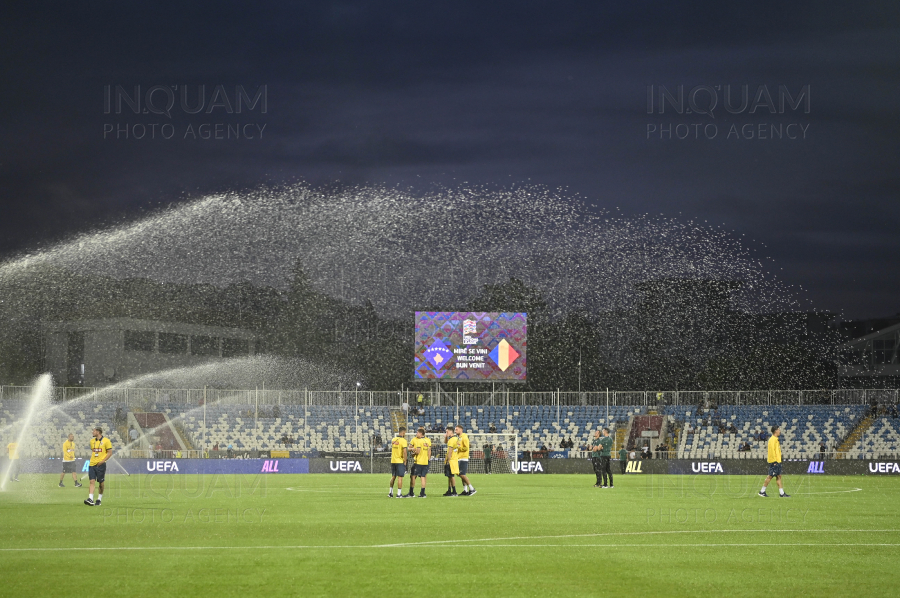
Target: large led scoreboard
point(471, 346)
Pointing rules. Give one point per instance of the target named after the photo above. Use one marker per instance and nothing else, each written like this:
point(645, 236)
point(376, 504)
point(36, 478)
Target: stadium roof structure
point(874, 355)
point(97, 352)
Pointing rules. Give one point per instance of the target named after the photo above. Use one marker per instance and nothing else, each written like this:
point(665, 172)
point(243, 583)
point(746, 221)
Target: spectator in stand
point(822, 449)
point(405, 408)
point(623, 459)
point(632, 455)
point(732, 429)
point(492, 429)
point(230, 451)
point(132, 434)
point(562, 444)
point(216, 446)
point(544, 451)
point(276, 412)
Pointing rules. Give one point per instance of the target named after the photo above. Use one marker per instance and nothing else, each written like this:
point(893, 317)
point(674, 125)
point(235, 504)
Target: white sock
point(763, 489)
point(471, 487)
point(99, 497)
point(781, 491)
point(391, 490)
point(92, 496)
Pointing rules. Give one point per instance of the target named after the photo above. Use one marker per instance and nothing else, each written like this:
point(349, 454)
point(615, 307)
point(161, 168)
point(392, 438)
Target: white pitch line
point(665, 545)
point(829, 492)
point(468, 545)
point(651, 533)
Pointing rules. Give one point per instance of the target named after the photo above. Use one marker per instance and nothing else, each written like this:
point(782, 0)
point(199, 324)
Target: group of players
point(101, 451)
point(456, 462)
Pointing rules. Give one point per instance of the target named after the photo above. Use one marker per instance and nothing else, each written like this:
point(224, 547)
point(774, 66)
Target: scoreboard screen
point(471, 346)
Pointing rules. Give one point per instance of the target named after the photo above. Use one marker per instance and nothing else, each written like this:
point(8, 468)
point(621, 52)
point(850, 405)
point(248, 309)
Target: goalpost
point(504, 451)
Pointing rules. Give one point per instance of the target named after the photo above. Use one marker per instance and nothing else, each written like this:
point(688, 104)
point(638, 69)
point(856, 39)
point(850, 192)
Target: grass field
point(554, 535)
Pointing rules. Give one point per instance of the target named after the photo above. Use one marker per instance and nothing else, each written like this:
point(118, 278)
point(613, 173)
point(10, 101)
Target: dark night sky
point(418, 94)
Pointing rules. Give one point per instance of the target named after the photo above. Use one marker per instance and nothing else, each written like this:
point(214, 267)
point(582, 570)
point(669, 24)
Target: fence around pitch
point(143, 397)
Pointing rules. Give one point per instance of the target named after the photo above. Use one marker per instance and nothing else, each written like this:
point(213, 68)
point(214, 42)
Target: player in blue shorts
point(774, 460)
point(421, 449)
point(398, 461)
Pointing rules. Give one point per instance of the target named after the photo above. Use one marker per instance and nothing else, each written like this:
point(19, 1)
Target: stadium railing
point(140, 397)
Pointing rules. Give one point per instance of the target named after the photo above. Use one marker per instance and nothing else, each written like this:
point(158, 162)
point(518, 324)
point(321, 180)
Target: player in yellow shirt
point(451, 461)
point(398, 462)
point(463, 451)
point(13, 449)
point(421, 449)
point(774, 459)
point(101, 451)
point(68, 458)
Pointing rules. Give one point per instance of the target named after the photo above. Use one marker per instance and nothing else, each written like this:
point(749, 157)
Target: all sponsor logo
point(270, 466)
point(707, 467)
point(884, 467)
point(528, 467)
point(634, 467)
point(816, 467)
point(345, 466)
point(162, 466)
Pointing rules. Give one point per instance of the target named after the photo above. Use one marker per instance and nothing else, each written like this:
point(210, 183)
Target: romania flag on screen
point(503, 355)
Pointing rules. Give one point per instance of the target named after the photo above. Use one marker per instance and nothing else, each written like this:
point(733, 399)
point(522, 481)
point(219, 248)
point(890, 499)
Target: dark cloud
point(418, 94)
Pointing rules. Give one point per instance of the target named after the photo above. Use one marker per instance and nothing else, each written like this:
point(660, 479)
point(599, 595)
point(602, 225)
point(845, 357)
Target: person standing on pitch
point(69, 461)
point(422, 450)
point(101, 451)
point(398, 462)
point(451, 461)
point(463, 450)
point(487, 451)
point(13, 449)
point(595, 456)
point(774, 460)
point(605, 445)
point(623, 459)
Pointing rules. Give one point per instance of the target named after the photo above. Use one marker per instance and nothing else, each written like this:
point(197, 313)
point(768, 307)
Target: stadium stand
point(348, 428)
point(49, 428)
point(803, 428)
point(879, 441)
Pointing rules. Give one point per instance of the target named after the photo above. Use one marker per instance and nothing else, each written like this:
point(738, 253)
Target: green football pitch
point(525, 535)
